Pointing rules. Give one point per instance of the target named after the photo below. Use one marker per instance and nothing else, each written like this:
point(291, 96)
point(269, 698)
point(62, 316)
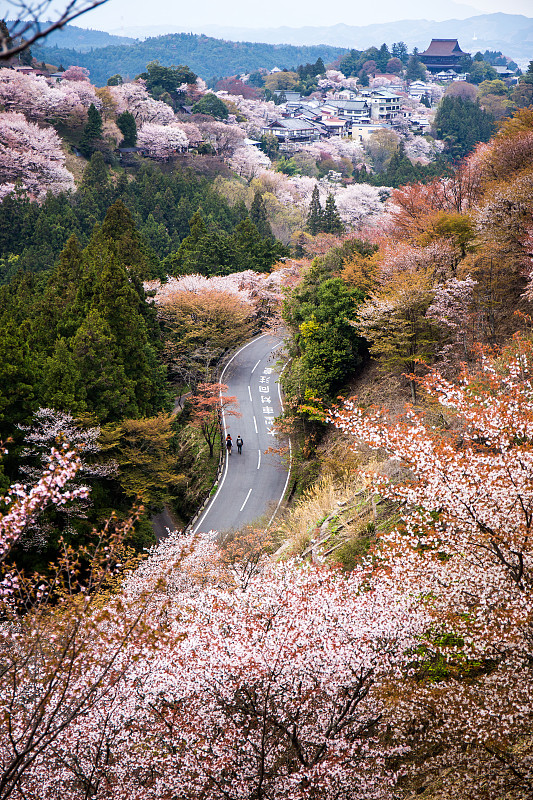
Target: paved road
point(252, 484)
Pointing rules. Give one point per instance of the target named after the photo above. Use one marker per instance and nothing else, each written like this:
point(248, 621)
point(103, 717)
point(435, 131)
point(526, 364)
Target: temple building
point(442, 54)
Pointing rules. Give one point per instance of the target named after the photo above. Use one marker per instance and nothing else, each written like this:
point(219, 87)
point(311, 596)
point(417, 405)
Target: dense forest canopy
point(203, 54)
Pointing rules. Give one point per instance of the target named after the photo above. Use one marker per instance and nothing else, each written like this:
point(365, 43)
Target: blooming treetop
point(465, 543)
point(134, 98)
point(162, 141)
point(33, 156)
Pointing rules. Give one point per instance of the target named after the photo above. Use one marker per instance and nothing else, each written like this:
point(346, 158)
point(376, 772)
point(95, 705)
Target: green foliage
point(481, 71)
point(33, 235)
point(128, 128)
point(270, 145)
point(415, 70)
point(325, 347)
point(145, 451)
point(462, 124)
point(325, 220)
point(314, 216)
point(160, 79)
point(92, 132)
point(203, 54)
point(212, 105)
point(258, 215)
point(210, 251)
point(115, 80)
point(331, 221)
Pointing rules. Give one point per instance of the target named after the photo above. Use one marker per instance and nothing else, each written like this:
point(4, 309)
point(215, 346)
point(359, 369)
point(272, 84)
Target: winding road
point(253, 484)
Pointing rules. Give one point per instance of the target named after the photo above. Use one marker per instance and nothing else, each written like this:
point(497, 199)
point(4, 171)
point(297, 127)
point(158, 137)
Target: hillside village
point(332, 261)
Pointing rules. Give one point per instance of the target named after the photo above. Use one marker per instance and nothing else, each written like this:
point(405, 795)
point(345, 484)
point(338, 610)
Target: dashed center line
point(250, 394)
point(254, 369)
point(259, 459)
point(246, 499)
point(255, 425)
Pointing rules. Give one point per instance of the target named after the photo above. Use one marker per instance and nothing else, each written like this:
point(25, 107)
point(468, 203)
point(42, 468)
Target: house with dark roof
point(442, 54)
point(292, 130)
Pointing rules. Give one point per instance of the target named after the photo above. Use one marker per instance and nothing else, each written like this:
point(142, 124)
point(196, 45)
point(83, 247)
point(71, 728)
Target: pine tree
point(331, 221)
point(258, 215)
point(314, 217)
point(92, 131)
point(95, 175)
point(128, 128)
point(104, 387)
point(319, 67)
point(126, 243)
point(63, 386)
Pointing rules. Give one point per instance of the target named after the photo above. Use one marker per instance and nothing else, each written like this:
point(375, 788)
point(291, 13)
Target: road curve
point(253, 484)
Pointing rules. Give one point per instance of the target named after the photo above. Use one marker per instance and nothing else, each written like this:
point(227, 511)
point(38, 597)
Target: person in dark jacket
point(239, 444)
point(229, 444)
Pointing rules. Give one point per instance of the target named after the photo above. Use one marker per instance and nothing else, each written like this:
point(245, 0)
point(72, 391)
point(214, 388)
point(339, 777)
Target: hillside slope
point(203, 54)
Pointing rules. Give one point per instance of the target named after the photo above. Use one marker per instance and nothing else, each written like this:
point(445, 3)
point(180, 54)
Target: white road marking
point(255, 425)
point(254, 369)
point(290, 459)
point(259, 459)
point(246, 500)
point(234, 356)
point(250, 394)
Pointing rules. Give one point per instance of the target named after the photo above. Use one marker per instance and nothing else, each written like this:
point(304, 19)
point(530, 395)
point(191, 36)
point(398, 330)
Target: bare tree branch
point(30, 26)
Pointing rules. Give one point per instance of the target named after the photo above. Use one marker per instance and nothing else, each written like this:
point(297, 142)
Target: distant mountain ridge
point(512, 33)
point(209, 56)
point(206, 56)
point(82, 39)
point(483, 31)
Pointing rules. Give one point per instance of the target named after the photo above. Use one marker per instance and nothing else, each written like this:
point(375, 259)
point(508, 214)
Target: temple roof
point(443, 47)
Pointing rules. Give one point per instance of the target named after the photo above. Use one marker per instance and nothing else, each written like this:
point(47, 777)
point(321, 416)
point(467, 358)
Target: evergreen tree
point(331, 221)
point(127, 245)
point(96, 175)
point(319, 67)
point(128, 128)
point(415, 71)
point(92, 131)
point(399, 50)
point(258, 215)
point(212, 105)
point(63, 386)
point(314, 217)
point(17, 377)
point(103, 386)
point(462, 124)
point(383, 58)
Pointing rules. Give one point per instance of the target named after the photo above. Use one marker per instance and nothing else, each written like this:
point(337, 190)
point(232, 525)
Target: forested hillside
point(371, 637)
point(204, 54)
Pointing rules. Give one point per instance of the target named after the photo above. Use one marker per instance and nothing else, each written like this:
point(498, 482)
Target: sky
point(185, 16)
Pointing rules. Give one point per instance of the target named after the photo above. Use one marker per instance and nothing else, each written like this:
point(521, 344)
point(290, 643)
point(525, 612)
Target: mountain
point(286, 47)
point(81, 39)
point(292, 15)
point(506, 32)
point(511, 33)
point(205, 55)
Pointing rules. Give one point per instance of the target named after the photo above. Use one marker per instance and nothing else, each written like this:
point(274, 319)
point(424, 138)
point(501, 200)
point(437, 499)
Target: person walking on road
point(229, 444)
point(239, 444)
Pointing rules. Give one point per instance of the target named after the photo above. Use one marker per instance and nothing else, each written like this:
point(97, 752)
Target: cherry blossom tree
point(134, 98)
point(162, 141)
point(465, 542)
point(38, 99)
point(249, 161)
point(225, 138)
point(32, 157)
point(75, 73)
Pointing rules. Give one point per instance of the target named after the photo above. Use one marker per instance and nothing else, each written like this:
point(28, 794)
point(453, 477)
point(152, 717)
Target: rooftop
point(443, 47)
